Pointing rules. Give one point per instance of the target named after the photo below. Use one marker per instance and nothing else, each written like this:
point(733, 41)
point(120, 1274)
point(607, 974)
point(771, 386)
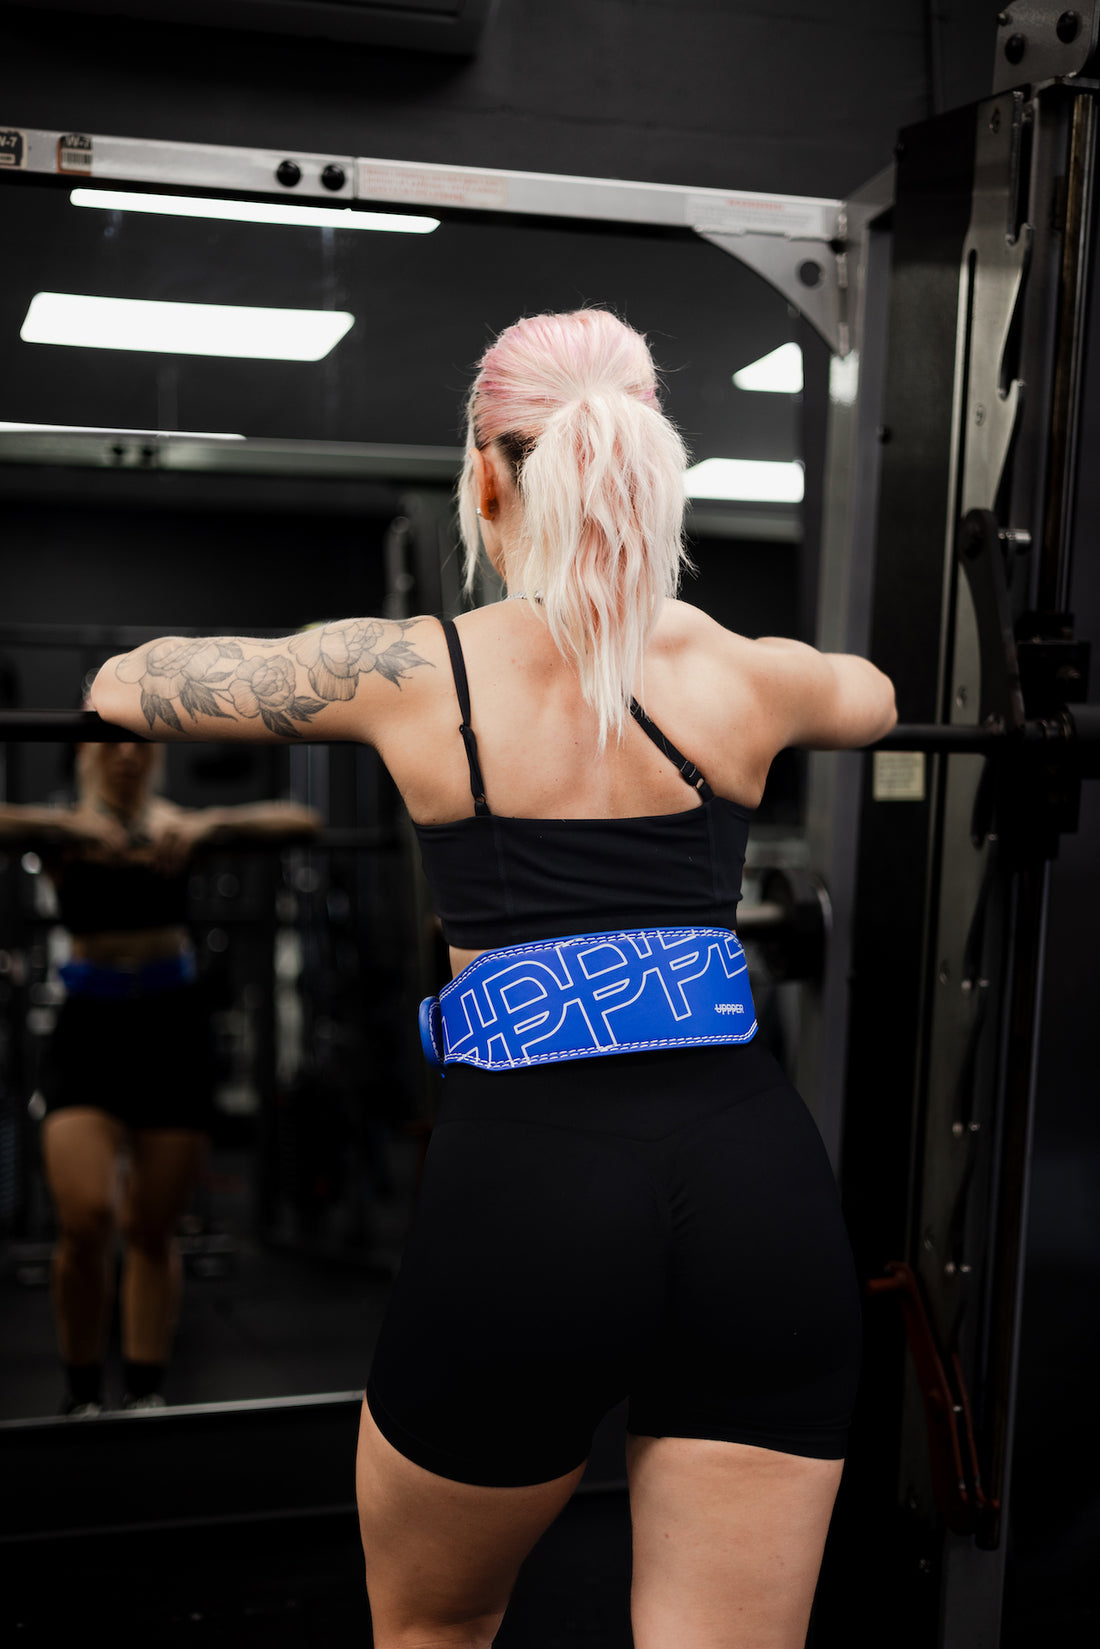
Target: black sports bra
point(501, 881)
point(96, 896)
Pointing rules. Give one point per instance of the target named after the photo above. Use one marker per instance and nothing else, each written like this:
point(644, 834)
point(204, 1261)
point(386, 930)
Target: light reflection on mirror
point(312, 957)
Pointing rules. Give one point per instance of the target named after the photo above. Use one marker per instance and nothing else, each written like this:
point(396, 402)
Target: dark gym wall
point(793, 96)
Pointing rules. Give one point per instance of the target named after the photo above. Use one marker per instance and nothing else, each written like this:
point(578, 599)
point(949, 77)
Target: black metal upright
point(992, 252)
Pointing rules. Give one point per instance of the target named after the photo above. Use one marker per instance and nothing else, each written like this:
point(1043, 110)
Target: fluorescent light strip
point(247, 211)
point(779, 373)
point(746, 480)
point(184, 328)
point(114, 429)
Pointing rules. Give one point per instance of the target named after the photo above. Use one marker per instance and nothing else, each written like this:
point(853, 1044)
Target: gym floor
point(298, 1581)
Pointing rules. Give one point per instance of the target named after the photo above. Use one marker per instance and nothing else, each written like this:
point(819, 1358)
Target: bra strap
point(462, 688)
point(687, 769)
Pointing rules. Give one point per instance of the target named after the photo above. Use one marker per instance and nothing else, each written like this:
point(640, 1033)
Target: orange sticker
point(13, 148)
point(74, 154)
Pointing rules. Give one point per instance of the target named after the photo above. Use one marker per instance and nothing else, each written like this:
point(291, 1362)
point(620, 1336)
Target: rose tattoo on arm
point(211, 676)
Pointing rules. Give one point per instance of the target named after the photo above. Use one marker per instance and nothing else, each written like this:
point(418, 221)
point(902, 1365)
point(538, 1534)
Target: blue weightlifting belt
point(591, 994)
point(122, 984)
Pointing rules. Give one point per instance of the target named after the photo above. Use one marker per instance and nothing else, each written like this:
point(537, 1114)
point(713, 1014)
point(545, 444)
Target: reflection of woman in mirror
point(609, 1206)
point(129, 1074)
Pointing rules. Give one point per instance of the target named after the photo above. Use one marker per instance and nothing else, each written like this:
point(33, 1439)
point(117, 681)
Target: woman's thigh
point(442, 1556)
point(727, 1541)
point(165, 1166)
point(761, 1338)
point(529, 1287)
point(81, 1149)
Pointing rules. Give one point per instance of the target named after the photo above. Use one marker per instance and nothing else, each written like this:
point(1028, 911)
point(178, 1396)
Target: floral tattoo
point(212, 677)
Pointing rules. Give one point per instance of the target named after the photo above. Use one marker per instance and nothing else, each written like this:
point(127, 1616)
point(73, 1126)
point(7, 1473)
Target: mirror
point(254, 496)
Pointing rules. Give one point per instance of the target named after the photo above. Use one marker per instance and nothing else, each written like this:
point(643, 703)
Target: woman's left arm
point(178, 832)
point(337, 681)
point(259, 821)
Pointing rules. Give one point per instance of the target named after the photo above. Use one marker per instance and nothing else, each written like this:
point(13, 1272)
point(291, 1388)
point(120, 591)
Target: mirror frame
point(815, 253)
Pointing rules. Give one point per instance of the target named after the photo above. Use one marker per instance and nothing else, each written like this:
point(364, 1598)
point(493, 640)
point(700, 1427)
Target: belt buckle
point(431, 1031)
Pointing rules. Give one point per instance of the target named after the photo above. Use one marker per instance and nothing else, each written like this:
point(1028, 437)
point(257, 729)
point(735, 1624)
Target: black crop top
point(97, 896)
point(501, 881)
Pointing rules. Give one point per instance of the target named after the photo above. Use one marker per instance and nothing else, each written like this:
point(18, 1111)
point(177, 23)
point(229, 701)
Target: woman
point(661, 1223)
point(129, 1076)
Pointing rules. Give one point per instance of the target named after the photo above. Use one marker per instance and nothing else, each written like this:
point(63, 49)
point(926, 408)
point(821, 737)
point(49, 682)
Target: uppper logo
point(729, 1007)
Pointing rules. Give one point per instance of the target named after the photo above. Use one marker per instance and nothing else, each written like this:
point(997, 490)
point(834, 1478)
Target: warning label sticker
point(898, 776)
point(74, 154)
point(431, 186)
point(13, 147)
point(763, 215)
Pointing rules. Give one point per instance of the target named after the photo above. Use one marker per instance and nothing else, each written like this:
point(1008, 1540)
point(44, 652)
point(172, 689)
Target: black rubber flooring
point(295, 1582)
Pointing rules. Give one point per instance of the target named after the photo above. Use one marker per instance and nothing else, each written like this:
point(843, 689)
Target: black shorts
point(663, 1226)
point(147, 1060)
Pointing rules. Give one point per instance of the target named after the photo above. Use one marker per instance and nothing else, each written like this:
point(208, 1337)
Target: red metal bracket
point(956, 1478)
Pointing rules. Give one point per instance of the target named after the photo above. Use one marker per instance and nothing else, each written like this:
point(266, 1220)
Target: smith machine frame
point(959, 811)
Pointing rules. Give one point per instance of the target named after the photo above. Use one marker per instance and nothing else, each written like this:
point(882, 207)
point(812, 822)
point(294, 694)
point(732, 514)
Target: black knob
point(1068, 27)
point(288, 173)
point(810, 273)
point(333, 177)
point(1015, 47)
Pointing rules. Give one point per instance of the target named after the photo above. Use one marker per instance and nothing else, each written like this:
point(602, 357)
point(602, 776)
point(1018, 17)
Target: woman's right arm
point(30, 824)
point(45, 826)
point(821, 701)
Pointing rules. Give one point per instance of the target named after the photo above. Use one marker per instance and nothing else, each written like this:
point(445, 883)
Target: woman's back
point(537, 739)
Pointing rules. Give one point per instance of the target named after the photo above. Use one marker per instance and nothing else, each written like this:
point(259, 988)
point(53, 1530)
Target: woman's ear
point(486, 480)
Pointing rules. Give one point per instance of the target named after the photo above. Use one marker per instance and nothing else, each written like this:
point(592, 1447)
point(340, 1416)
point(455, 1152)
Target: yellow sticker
point(898, 776)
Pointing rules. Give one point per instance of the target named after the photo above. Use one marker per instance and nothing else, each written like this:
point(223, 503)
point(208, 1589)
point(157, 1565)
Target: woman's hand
point(177, 833)
point(174, 837)
point(88, 827)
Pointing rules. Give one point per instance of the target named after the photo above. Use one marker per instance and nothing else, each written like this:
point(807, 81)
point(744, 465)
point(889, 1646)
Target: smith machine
point(953, 291)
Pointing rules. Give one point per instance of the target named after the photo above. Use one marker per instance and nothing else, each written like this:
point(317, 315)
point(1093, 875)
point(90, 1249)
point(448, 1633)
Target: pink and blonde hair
point(570, 402)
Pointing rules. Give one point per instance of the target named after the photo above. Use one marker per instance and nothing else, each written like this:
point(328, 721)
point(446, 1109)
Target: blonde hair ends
point(570, 401)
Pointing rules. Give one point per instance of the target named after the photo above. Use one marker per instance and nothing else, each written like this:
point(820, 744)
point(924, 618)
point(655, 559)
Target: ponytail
point(570, 401)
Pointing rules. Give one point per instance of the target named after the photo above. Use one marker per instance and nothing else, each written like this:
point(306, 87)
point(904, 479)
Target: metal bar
point(765, 918)
point(420, 184)
point(795, 241)
point(84, 726)
point(276, 459)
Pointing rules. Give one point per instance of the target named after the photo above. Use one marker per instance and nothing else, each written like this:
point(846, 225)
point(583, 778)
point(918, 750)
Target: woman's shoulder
point(687, 629)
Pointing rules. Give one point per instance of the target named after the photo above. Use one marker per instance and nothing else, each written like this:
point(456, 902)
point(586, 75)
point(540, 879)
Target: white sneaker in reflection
point(153, 1400)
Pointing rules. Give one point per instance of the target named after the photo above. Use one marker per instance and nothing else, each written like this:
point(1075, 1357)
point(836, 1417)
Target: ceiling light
point(114, 429)
point(779, 373)
point(250, 211)
point(744, 480)
point(184, 328)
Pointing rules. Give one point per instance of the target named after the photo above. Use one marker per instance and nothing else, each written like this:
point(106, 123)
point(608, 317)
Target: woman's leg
point(164, 1170)
point(728, 1540)
point(80, 1149)
point(738, 1425)
point(442, 1557)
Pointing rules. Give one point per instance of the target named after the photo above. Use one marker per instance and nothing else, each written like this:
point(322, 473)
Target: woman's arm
point(27, 824)
point(179, 832)
point(336, 681)
point(259, 821)
point(822, 701)
point(58, 826)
